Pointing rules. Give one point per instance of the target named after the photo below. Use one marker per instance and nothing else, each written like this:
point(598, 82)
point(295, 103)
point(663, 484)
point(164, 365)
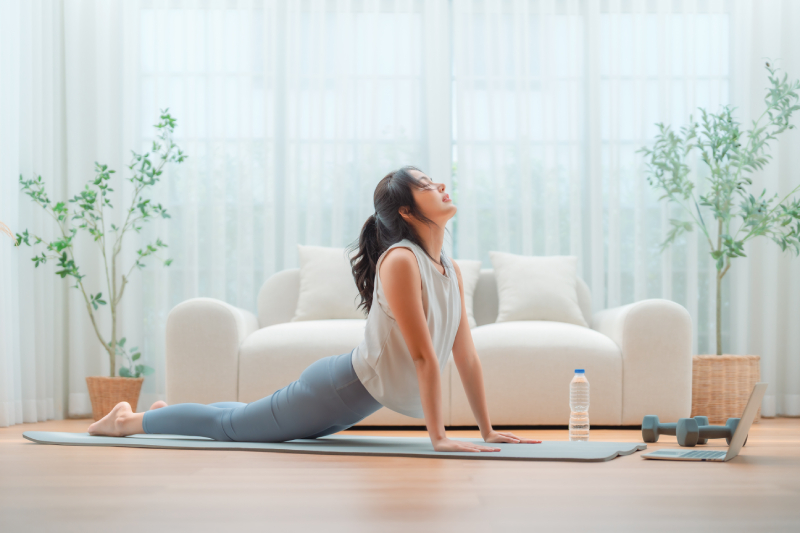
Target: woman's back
point(382, 361)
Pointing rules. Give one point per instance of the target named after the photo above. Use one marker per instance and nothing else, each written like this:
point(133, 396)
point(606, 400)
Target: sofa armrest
point(655, 339)
point(203, 336)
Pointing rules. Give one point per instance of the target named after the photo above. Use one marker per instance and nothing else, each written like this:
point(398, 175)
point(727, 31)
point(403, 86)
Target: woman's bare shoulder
point(398, 258)
point(399, 265)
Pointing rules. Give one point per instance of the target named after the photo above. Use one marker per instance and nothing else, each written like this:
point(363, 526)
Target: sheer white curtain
point(33, 316)
point(64, 85)
point(290, 112)
point(554, 98)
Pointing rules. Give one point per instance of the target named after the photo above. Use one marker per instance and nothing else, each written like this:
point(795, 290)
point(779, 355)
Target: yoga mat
point(357, 445)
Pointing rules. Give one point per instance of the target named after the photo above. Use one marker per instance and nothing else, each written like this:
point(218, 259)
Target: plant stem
point(719, 314)
point(118, 244)
point(116, 249)
point(719, 292)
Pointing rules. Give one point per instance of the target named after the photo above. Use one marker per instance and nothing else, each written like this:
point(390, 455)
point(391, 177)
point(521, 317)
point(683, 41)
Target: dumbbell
point(651, 429)
point(689, 432)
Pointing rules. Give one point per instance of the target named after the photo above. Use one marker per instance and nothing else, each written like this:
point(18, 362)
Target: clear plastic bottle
point(579, 405)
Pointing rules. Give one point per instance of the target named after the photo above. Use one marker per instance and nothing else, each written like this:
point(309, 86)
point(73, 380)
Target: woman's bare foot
point(121, 421)
point(159, 404)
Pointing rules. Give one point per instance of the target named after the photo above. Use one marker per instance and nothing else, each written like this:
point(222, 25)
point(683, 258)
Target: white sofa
point(637, 357)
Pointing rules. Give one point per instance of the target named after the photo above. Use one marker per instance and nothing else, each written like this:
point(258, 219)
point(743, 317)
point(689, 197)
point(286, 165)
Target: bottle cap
point(579, 371)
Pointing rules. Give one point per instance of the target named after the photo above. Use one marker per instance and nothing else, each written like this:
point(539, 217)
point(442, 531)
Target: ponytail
point(365, 261)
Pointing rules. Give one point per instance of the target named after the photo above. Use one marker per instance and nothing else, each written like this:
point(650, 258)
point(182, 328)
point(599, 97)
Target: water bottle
point(579, 405)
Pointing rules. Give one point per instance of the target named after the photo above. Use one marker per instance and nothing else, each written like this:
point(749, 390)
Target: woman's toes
point(159, 404)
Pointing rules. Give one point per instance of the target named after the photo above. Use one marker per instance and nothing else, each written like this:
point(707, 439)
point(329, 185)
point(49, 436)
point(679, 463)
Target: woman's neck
point(432, 240)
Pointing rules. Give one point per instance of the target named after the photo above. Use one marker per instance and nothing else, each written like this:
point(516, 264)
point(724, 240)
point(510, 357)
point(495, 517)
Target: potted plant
point(106, 392)
point(721, 384)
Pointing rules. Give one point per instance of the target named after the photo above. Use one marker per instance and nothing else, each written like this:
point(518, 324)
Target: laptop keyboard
point(703, 454)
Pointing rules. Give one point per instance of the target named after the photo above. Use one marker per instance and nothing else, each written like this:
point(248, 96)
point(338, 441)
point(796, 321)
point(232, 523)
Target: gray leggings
point(327, 398)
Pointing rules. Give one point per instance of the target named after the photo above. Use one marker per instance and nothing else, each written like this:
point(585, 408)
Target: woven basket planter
point(106, 392)
point(721, 386)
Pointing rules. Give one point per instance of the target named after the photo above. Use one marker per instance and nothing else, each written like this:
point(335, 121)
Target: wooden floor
point(83, 489)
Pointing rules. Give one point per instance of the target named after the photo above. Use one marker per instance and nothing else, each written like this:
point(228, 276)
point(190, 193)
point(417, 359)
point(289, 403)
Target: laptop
point(737, 441)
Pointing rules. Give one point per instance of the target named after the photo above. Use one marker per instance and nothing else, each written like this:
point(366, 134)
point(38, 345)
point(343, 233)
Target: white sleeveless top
point(382, 360)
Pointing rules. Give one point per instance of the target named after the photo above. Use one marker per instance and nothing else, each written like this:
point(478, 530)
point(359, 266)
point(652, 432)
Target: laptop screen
point(746, 421)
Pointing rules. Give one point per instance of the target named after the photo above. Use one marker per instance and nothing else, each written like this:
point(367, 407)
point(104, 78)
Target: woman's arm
point(402, 285)
point(465, 356)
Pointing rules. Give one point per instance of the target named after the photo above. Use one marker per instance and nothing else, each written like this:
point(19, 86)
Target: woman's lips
point(446, 198)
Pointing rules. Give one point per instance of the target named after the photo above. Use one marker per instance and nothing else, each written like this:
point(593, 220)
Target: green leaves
point(96, 299)
point(150, 250)
point(138, 370)
point(729, 155)
point(144, 370)
point(131, 371)
point(679, 227)
point(667, 167)
point(35, 189)
point(68, 267)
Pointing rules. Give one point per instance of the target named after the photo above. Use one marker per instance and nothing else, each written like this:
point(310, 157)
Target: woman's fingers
point(487, 449)
point(520, 439)
point(478, 448)
point(509, 436)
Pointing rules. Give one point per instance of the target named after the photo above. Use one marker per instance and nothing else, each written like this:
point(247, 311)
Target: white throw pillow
point(470, 272)
point(327, 287)
point(537, 288)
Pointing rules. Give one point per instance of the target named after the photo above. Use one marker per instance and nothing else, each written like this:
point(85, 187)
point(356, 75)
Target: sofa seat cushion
point(527, 367)
point(274, 356)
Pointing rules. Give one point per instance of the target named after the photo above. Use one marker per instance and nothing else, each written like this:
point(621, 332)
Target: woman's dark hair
point(378, 234)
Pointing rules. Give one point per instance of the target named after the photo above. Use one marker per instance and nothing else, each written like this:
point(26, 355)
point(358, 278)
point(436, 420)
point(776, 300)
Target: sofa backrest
point(277, 299)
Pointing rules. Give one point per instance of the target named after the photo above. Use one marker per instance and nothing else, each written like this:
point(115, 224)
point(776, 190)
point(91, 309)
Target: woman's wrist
point(437, 436)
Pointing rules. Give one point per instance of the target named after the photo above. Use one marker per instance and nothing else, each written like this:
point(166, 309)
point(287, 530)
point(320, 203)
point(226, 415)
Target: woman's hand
point(497, 436)
point(447, 445)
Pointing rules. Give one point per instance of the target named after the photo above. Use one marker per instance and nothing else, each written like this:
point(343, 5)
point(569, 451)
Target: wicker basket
point(106, 392)
point(721, 386)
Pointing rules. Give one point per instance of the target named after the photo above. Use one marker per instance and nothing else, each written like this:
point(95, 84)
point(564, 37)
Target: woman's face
point(432, 199)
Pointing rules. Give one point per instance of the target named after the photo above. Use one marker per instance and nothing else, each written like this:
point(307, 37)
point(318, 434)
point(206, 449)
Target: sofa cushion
point(470, 272)
point(327, 287)
point(527, 367)
point(274, 356)
point(537, 288)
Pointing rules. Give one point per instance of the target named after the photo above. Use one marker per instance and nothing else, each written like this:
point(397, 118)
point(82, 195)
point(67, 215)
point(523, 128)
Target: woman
point(419, 318)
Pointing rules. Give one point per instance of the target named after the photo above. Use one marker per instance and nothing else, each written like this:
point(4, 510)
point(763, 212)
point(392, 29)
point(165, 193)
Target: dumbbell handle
point(667, 429)
point(715, 432)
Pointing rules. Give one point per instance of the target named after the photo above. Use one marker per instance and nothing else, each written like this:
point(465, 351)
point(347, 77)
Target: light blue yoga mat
point(358, 445)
